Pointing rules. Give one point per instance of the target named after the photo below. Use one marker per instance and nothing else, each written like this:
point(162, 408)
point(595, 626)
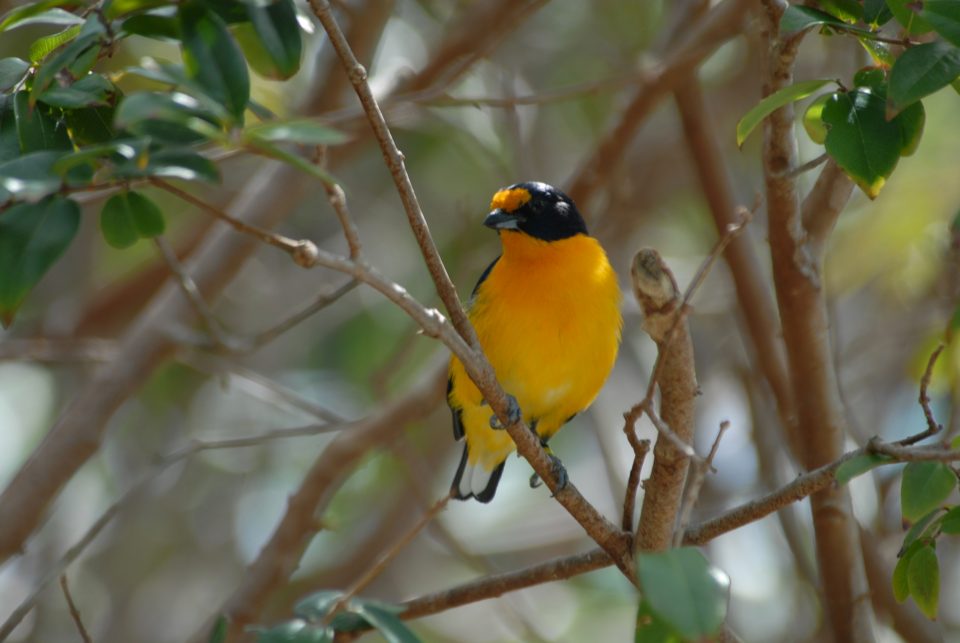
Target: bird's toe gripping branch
point(514, 414)
point(556, 467)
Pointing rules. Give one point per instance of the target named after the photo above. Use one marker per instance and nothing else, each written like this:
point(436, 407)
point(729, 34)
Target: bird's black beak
point(500, 219)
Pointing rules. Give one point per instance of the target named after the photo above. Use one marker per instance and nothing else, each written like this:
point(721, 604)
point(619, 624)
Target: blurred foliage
point(101, 100)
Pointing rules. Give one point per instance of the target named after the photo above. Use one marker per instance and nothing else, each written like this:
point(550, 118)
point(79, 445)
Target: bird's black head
point(537, 209)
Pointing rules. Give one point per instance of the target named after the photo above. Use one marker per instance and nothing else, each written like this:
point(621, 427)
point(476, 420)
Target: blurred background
point(172, 556)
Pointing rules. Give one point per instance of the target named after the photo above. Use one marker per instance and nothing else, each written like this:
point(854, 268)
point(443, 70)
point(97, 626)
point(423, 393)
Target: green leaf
point(944, 16)
point(28, 11)
point(315, 606)
point(901, 586)
point(171, 164)
point(813, 119)
point(774, 102)
point(12, 71)
point(859, 465)
point(922, 70)
point(213, 59)
point(876, 12)
point(97, 155)
point(387, 623)
point(923, 579)
point(218, 633)
point(36, 129)
point(797, 18)
point(31, 176)
point(43, 47)
point(850, 11)
point(9, 138)
point(924, 487)
point(911, 122)
point(128, 217)
point(872, 77)
point(920, 529)
point(651, 628)
point(295, 631)
point(306, 132)
point(170, 118)
point(89, 91)
point(951, 522)
point(272, 38)
point(685, 590)
point(90, 125)
point(33, 236)
point(904, 13)
point(860, 139)
point(879, 52)
point(153, 25)
point(87, 38)
point(955, 443)
point(117, 8)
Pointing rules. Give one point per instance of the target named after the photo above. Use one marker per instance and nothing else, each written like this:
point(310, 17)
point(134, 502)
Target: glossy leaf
point(276, 31)
point(921, 528)
point(951, 522)
point(31, 176)
point(774, 102)
point(315, 606)
point(860, 139)
point(171, 164)
point(944, 17)
point(911, 122)
point(295, 631)
point(797, 18)
point(90, 125)
point(117, 8)
point(924, 487)
point(172, 118)
point(12, 71)
point(25, 12)
point(298, 131)
point(297, 161)
point(876, 12)
point(98, 155)
point(43, 47)
point(850, 11)
point(128, 217)
point(685, 590)
point(9, 138)
point(859, 465)
point(36, 129)
point(878, 51)
point(88, 38)
point(386, 622)
point(151, 25)
point(91, 90)
point(903, 11)
point(33, 236)
point(213, 59)
point(923, 579)
point(922, 70)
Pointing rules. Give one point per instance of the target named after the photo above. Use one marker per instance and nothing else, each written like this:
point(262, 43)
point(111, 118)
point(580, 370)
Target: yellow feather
point(548, 318)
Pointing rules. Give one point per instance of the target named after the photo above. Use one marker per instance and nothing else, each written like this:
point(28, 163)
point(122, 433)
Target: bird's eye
point(536, 207)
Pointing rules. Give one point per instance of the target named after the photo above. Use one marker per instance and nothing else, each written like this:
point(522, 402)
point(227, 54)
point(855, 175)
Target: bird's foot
point(559, 473)
point(514, 414)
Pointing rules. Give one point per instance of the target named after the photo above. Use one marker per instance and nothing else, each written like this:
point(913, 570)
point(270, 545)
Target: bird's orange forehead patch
point(510, 199)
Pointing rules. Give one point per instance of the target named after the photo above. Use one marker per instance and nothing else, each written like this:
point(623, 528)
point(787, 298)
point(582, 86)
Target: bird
point(547, 316)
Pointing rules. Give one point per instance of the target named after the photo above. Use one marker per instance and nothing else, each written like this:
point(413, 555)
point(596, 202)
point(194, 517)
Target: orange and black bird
point(547, 313)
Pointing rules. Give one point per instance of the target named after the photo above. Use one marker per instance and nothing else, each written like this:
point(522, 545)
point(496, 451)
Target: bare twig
point(692, 493)
point(933, 427)
point(640, 450)
point(338, 201)
point(386, 557)
point(74, 612)
point(189, 288)
point(53, 349)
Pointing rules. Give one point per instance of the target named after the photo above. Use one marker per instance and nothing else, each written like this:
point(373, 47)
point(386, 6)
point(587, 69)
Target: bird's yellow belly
point(551, 337)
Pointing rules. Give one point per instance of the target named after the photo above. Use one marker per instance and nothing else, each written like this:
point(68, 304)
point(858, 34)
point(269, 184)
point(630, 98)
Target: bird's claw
point(559, 473)
point(514, 414)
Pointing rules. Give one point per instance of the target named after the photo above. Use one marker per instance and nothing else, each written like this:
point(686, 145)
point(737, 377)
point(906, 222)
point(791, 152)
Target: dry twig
point(74, 612)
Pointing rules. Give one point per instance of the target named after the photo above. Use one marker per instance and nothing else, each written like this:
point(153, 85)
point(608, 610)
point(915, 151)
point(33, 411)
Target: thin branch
point(74, 612)
point(386, 558)
point(338, 201)
point(933, 427)
point(640, 450)
point(189, 288)
point(53, 349)
point(692, 493)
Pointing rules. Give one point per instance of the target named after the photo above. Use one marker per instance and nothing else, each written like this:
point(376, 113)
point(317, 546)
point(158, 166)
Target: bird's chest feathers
point(550, 318)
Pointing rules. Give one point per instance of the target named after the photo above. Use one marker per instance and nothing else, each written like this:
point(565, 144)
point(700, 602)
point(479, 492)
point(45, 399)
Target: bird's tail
point(474, 481)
